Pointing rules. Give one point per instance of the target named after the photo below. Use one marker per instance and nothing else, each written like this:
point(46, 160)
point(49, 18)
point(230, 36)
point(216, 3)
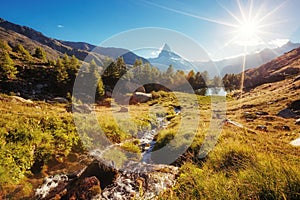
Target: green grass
point(32, 135)
point(244, 164)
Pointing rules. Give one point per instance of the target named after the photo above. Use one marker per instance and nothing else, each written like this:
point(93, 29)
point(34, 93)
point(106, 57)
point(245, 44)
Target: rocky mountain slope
point(30, 38)
point(234, 65)
point(280, 68)
point(253, 60)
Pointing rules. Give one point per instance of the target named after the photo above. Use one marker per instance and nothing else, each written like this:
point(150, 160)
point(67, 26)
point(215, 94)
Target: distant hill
point(234, 65)
point(112, 52)
point(280, 68)
point(30, 38)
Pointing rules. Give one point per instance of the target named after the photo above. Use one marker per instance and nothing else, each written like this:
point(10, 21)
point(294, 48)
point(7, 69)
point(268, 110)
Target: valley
point(143, 132)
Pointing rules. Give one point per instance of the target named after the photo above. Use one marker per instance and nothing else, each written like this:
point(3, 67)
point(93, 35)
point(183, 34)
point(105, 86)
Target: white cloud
point(278, 42)
point(60, 26)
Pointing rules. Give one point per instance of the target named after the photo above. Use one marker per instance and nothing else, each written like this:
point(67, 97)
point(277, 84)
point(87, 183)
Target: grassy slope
point(248, 163)
point(38, 133)
point(245, 164)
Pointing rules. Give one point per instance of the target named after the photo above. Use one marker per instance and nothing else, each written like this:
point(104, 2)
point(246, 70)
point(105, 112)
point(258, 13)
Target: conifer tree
point(7, 68)
point(61, 72)
point(40, 53)
point(21, 50)
point(96, 78)
point(4, 45)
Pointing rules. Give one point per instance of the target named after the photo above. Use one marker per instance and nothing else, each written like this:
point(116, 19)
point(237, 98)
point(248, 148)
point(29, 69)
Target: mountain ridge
point(81, 50)
point(234, 65)
point(278, 69)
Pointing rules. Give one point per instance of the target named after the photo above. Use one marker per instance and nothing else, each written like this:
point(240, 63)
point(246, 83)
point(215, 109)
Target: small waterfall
point(137, 179)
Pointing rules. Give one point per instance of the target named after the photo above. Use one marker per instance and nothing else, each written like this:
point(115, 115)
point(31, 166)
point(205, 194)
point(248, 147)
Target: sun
point(248, 30)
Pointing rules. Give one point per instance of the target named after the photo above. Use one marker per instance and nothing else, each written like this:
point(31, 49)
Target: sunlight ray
point(271, 12)
point(258, 13)
point(231, 14)
point(191, 15)
point(241, 10)
point(243, 71)
point(250, 10)
point(272, 24)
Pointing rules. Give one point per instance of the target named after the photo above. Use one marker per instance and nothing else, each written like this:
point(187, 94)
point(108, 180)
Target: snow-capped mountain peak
point(167, 57)
point(166, 47)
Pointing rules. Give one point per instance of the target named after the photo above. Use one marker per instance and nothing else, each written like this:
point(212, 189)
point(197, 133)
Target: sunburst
point(249, 24)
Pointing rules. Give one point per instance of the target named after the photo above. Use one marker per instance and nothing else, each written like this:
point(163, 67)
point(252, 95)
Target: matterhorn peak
point(166, 47)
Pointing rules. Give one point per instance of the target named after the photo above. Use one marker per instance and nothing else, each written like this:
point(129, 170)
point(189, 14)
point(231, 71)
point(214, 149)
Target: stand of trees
point(232, 81)
point(62, 72)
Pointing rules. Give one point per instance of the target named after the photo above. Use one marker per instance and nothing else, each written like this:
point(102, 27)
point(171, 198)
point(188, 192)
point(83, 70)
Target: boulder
point(297, 122)
point(79, 108)
point(155, 87)
point(247, 106)
point(249, 115)
point(60, 100)
point(123, 109)
point(261, 128)
point(84, 189)
point(104, 172)
point(83, 185)
point(140, 97)
point(287, 113)
point(269, 118)
point(261, 113)
point(295, 105)
point(249, 120)
point(22, 100)
point(295, 142)
point(297, 79)
point(283, 128)
point(141, 89)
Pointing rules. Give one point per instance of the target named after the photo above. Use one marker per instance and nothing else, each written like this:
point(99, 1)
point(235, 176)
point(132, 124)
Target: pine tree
point(138, 63)
point(40, 53)
point(61, 72)
point(170, 71)
point(72, 67)
point(231, 81)
point(74, 63)
point(96, 78)
point(7, 68)
point(120, 67)
point(116, 69)
point(66, 60)
point(21, 50)
point(217, 81)
point(191, 78)
point(200, 81)
point(4, 45)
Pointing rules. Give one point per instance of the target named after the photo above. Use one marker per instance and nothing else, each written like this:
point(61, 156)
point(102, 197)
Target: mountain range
point(278, 69)
point(234, 65)
point(167, 57)
point(16, 34)
point(30, 38)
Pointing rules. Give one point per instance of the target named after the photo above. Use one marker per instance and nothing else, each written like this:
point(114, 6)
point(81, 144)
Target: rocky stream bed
point(102, 179)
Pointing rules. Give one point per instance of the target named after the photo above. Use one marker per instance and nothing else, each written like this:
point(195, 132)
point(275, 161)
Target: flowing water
point(138, 179)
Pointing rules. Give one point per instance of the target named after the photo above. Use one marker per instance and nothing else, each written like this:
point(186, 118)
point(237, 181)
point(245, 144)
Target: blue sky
point(210, 24)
